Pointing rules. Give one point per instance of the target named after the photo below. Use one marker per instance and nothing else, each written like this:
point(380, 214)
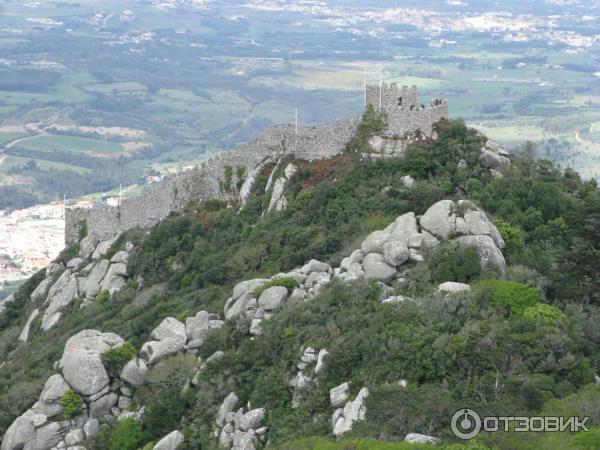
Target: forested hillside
point(519, 343)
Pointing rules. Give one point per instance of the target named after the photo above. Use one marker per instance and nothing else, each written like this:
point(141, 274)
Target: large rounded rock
point(234, 308)
point(490, 256)
point(315, 266)
point(339, 395)
point(317, 278)
point(153, 351)
point(54, 389)
point(60, 295)
point(247, 286)
point(353, 411)
point(91, 428)
point(494, 160)
point(395, 251)
point(251, 420)
point(478, 223)
point(103, 247)
point(87, 246)
point(49, 435)
point(416, 438)
point(24, 336)
point(134, 372)
point(41, 290)
point(273, 298)
point(90, 285)
point(120, 257)
point(169, 328)
point(226, 407)
point(102, 406)
point(115, 278)
point(74, 437)
point(423, 241)
point(81, 362)
point(373, 243)
point(453, 288)
point(20, 432)
point(404, 227)
point(377, 269)
point(440, 219)
point(170, 442)
point(199, 327)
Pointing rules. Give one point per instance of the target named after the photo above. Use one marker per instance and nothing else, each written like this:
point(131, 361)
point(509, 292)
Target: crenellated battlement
point(405, 113)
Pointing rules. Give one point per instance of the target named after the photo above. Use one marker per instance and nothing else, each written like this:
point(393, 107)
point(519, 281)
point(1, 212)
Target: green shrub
point(83, 229)
point(324, 443)
point(587, 441)
point(72, 404)
point(114, 359)
point(545, 313)
point(127, 435)
point(102, 296)
point(287, 282)
point(454, 262)
point(515, 297)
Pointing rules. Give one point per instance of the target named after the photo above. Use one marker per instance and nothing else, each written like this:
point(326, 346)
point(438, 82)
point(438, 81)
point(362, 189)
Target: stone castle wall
point(405, 113)
point(201, 183)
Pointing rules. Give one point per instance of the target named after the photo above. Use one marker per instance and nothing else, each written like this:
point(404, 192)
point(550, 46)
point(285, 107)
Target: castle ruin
point(316, 142)
point(404, 112)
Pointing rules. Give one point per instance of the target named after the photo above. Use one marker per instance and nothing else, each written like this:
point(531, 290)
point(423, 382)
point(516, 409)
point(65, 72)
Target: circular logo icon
point(466, 424)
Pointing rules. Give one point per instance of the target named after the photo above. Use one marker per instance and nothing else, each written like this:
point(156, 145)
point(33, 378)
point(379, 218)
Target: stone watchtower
point(405, 114)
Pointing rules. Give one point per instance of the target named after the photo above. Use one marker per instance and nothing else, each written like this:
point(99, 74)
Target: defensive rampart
point(201, 183)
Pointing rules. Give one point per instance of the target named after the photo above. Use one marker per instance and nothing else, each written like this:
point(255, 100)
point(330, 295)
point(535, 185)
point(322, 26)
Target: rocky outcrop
point(278, 200)
point(239, 430)
point(495, 156)
point(246, 187)
point(80, 370)
point(82, 279)
point(134, 372)
point(199, 327)
point(384, 255)
point(416, 438)
point(310, 365)
point(24, 336)
point(346, 413)
point(81, 364)
point(170, 442)
point(453, 288)
point(60, 295)
point(464, 223)
point(154, 351)
point(90, 284)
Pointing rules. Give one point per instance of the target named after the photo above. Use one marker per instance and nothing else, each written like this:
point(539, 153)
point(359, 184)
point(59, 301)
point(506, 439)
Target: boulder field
point(384, 256)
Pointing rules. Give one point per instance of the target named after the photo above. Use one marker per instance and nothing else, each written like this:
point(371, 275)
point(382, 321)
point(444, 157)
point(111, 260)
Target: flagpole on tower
point(296, 131)
point(365, 87)
point(380, 87)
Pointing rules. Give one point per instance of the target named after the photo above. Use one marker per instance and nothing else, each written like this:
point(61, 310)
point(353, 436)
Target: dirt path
point(2, 158)
point(12, 143)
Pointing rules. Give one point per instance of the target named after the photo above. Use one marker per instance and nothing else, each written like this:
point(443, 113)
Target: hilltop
point(364, 296)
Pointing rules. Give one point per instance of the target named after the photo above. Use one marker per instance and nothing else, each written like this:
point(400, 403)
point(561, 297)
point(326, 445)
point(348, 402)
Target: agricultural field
point(122, 90)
